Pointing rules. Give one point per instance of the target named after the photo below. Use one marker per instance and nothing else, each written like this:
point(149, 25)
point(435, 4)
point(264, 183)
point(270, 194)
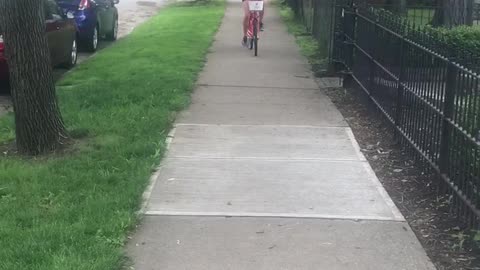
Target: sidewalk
point(264, 173)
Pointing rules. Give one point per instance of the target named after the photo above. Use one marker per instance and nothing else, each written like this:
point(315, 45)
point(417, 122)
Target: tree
point(397, 6)
point(453, 13)
point(38, 124)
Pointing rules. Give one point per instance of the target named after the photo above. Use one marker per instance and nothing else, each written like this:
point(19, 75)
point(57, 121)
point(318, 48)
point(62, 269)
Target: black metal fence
point(319, 18)
point(421, 15)
point(432, 101)
point(429, 38)
point(429, 90)
point(316, 14)
point(417, 15)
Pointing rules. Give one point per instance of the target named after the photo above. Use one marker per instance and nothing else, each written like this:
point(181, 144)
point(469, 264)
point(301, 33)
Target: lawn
point(74, 210)
point(421, 16)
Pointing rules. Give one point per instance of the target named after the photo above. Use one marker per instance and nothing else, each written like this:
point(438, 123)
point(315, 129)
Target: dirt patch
point(67, 147)
point(5, 105)
point(415, 191)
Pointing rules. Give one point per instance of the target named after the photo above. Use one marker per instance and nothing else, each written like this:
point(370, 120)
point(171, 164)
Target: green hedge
point(465, 37)
point(461, 44)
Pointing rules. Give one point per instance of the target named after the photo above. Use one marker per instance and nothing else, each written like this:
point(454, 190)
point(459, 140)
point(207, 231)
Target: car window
point(52, 11)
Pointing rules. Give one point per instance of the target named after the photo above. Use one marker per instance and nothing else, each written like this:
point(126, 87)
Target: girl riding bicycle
point(246, 20)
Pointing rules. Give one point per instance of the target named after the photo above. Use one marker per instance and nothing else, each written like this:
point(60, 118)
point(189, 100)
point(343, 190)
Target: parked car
point(95, 19)
point(61, 36)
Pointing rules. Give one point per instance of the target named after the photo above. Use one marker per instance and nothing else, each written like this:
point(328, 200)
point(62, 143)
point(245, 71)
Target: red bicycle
point(255, 7)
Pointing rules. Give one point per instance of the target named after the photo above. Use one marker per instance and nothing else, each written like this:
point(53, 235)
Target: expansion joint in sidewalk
point(256, 86)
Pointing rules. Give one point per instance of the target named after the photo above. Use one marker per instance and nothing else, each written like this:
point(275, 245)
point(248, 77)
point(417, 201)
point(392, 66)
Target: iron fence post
point(331, 41)
point(371, 89)
point(300, 11)
point(312, 16)
point(400, 87)
point(315, 21)
point(469, 15)
point(350, 21)
point(294, 6)
point(448, 110)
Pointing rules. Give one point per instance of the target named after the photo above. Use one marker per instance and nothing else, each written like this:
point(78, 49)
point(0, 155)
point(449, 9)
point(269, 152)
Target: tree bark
point(397, 6)
point(453, 13)
point(38, 123)
point(438, 19)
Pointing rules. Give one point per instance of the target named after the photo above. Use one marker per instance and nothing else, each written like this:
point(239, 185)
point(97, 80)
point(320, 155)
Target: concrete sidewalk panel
point(261, 95)
point(265, 142)
point(262, 114)
point(258, 74)
point(262, 145)
point(279, 63)
point(215, 243)
point(248, 105)
point(265, 70)
point(285, 188)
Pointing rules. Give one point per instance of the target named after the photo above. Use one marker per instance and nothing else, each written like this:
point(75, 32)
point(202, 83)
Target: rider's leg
point(261, 19)
point(262, 13)
point(246, 18)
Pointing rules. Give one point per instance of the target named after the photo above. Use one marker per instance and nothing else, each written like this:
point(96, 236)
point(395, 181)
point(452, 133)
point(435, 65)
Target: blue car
point(95, 19)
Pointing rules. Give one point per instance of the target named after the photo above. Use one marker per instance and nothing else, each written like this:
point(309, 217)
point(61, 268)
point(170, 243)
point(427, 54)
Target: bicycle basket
point(255, 5)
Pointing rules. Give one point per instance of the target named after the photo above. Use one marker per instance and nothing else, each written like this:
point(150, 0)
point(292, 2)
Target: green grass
point(420, 16)
point(315, 53)
point(74, 211)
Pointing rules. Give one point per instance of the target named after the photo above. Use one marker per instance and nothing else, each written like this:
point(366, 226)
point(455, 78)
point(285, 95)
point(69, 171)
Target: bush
point(466, 37)
point(461, 44)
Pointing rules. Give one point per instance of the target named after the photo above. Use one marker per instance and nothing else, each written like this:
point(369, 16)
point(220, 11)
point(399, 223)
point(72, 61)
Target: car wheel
point(92, 40)
point(72, 60)
point(5, 87)
point(114, 33)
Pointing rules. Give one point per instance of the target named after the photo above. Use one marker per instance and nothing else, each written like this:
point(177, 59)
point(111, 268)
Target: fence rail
point(431, 100)
point(421, 15)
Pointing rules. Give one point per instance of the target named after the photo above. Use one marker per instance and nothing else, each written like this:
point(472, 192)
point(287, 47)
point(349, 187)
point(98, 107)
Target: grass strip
point(74, 210)
point(309, 46)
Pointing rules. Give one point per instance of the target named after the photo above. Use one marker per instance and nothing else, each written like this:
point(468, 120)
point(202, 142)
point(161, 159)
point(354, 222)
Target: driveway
point(131, 14)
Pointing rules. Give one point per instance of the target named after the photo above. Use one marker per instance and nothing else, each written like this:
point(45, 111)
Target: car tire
point(91, 42)
point(113, 34)
point(72, 60)
point(5, 88)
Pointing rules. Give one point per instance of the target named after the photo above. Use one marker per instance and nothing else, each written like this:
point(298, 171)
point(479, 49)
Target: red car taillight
point(84, 4)
point(2, 45)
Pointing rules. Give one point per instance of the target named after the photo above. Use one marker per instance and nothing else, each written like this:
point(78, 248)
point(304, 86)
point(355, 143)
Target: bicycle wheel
point(255, 39)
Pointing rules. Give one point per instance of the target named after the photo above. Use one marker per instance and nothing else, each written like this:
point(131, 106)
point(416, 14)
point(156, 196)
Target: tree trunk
point(453, 13)
point(38, 123)
point(438, 19)
point(397, 6)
